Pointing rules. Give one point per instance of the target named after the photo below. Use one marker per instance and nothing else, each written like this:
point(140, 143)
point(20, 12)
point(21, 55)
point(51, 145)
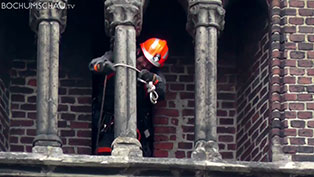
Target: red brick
point(296, 106)
point(290, 114)
point(17, 131)
point(187, 129)
point(290, 132)
point(310, 124)
point(180, 154)
point(67, 116)
point(310, 141)
point(290, 97)
point(305, 46)
point(306, 12)
point(84, 100)
point(310, 106)
point(309, 21)
point(230, 130)
point(310, 4)
point(158, 138)
point(183, 145)
point(225, 138)
point(84, 133)
point(311, 37)
point(80, 125)
point(305, 132)
point(296, 20)
point(159, 153)
point(82, 150)
point(68, 150)
point(22, 123)
point(289, 149)
point(187, 95)
point(28, 107)
point(305, 115)
point(161, 120)
point(16, 148)
point(297, 141)
point(79, 141)
point(67, 133)
point(298, 123)
point(168, 146)
point(305, 63)
point(289, 80)
point(177, 87)
point(296, 3)
point(165, 130)
point(32, 82)
point(310, 54)
point(304, 80)
point(297, 55)
point(226, 121)
point(176, 121)
point(67, 99)
point(305, 97)
point(297, 37)
point(297, 71)
point(296, 88)
point(18, 114)
point(31, 132)
point(82, 109)
point(167, 112)
point(27, 140)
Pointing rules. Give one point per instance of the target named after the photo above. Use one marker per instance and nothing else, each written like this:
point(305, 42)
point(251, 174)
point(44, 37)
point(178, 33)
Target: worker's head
point(153, 53)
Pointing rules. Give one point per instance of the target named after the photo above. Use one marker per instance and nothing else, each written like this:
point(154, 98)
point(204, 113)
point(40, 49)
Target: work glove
point(147, 75)
point(101, 64)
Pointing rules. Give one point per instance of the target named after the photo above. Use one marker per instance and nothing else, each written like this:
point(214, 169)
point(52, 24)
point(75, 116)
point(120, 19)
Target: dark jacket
point(144, 110)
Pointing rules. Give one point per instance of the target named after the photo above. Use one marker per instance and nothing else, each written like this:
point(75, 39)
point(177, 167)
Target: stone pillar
point(48, 23)
point(123, 20)
point(205, 20)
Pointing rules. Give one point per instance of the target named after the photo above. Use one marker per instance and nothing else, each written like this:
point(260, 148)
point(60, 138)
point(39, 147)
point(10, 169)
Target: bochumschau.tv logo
point(35, 5)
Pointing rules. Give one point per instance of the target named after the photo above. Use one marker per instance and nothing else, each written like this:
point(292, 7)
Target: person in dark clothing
point(151, 55)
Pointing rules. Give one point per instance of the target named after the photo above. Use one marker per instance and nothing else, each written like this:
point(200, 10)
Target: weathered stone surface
point(37, 164)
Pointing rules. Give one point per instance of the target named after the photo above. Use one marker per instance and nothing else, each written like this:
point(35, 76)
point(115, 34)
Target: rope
point(127, 66)
point(151, 89)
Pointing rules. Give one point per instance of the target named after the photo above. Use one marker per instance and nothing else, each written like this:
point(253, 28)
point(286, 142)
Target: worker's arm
point(158, 80)
point(102, 64)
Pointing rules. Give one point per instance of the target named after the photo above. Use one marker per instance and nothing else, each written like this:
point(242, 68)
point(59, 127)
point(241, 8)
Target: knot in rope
point(151, 88)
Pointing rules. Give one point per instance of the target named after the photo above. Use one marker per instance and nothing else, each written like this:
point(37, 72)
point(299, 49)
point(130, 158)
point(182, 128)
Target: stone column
point(48, 23)
point(205, 20)
point(123, 20)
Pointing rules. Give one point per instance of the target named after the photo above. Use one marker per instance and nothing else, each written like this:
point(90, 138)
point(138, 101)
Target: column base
point(47, 150)
point(126, 146)
point(206, 150)
point(47, 140)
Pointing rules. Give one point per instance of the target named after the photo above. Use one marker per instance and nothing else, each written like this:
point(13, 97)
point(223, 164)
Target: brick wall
point(74, 109)
point(293, 75)
point(253, 106)
point(4, 117)
point(174, 117)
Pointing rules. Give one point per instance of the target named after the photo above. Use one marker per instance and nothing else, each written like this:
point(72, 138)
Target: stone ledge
point(35, 164)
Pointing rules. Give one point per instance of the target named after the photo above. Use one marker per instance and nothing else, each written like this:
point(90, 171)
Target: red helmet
point(155, 51)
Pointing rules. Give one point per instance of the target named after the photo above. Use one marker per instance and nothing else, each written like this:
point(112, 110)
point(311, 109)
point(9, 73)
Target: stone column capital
point(207, 13)
point(123, 12)
point(48, 10)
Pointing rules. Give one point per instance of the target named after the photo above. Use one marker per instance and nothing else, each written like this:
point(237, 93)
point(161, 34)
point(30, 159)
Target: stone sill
point(37, 164)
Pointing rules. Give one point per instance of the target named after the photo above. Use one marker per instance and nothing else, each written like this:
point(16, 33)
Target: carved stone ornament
point(127, 147)
point(123, 12)
point(207, 13)
point(206, 150)
point(48, 10)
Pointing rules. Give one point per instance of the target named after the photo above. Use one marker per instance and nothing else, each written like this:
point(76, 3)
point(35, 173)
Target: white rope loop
point(151, 88)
